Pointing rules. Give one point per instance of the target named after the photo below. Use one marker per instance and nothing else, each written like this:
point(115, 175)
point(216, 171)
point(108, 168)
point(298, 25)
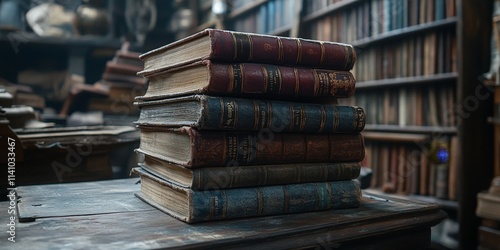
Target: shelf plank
point(394, 137)
point(246, 8)
point(329, 10)
point(411, 129)
point(20, 38)
point(404, 32)
point(442, 203)
point(427, 79)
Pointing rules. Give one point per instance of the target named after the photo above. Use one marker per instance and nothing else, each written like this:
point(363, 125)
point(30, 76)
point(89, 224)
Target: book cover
point(231, 46)
point(237, 114)
point(196, 148)
point(196, 206)
point(224, 177)
point(249, 79)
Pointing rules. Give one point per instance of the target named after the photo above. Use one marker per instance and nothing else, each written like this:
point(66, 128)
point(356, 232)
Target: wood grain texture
point(379, 221)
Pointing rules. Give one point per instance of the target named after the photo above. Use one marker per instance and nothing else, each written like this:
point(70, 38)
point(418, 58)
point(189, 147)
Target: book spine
point(235, 46)
point(268, 175)
point(272, 200)
point(214, 148)
point(274, 80)
point(254, 114)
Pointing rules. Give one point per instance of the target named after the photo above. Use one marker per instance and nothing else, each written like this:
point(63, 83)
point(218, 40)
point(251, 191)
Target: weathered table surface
point(107, 215)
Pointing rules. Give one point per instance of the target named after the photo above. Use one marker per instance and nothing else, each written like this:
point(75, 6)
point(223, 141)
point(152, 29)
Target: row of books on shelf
point(419, 55)
point(424, 105)
point(425, 166)
point(222, 146)
point(267, 18)
point(375, 17)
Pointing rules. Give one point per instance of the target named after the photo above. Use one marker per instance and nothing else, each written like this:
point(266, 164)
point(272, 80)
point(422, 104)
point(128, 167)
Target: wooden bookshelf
point(451, 44)
point(458, 79)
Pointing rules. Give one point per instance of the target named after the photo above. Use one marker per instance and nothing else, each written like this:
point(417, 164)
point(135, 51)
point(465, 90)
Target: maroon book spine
point(215, 148)
point(274, 80)
point(247, 47)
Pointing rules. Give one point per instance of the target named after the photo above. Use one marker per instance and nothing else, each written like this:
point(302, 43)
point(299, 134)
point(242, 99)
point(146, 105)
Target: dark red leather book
point(230, 46)
point(249, 79)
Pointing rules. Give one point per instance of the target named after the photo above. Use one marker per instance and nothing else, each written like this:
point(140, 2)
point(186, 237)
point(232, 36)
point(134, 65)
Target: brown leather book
point(230, 46)
point(222, 177)
point(211, 77)
point(192, 148)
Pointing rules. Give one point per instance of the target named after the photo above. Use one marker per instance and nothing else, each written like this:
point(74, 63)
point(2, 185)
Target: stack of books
point(239, 125)
point(122, 84)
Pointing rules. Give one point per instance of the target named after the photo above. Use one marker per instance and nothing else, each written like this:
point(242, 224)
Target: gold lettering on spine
point(299, 51)
point(242, 76)
point(323, 119)
point(250, 53)
point(280, 80)
point(296, 75)
point(256, 113)
point(280, 50)
point(360, 118)
point(322, 53)
point(229, 113)
point(231, 146)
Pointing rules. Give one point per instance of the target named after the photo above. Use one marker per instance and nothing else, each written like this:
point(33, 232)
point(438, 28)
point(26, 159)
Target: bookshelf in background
point(411, 82)
point(418, 63)
point(406, 74)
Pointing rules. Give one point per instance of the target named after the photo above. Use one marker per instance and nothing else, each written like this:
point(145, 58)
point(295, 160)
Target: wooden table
point(107, 215)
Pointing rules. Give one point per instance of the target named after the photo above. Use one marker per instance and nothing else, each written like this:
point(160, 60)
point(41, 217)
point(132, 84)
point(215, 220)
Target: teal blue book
point(220, 204)
point(439, 10)
point(238, 114)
